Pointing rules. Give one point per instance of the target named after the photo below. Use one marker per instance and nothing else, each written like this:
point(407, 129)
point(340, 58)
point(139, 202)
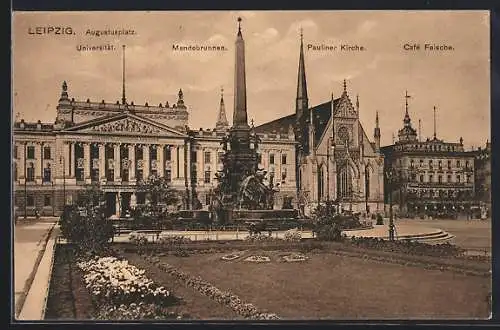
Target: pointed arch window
point(320, 183)
point(367, 182)
point(344, 182)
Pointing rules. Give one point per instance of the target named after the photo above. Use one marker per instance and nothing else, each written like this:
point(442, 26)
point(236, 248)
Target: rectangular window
point(440, 179)
point(47, 200)
point(168, 175)
point(458, 178)
point(430, 164)
point(31, 153)
point(430, 178)
point(439, 164)
point(15, 151)
point(46, 153)
point(449, 164)
point(467, 178)
point(207, 199)
point(283, 159)
point(271, 158)
point(421, 178)
point(283, 177)
point(30, 173)
point(449, 178)
point(46, 174)
point(207, 157)
point(219, 157)
point(153, 153)
point(207, 176)
point(30, 200)
point(421, 163)
point(458, 163)
point(167, 153)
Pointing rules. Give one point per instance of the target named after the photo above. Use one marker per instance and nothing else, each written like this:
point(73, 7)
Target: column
point(160, 162)
point(145, 162)
point(117, 169)
point(86, 162)
point(173, 161)
point(102, 161)
point(38, 159)
point(181, 161)
point(65, 160)
point(72, 160)
point(117, 204)
point(132, 165)
point(187, 163)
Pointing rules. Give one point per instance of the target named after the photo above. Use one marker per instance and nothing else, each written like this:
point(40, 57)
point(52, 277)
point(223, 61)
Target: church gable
point(344, 107)
point(125, 124)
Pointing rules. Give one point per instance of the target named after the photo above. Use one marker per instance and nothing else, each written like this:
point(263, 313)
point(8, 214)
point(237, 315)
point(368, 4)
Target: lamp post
point(25, 179)
point(390, 180)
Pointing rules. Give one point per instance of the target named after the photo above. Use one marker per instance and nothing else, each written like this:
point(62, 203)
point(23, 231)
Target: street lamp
point(390, 174)
point(25, 179)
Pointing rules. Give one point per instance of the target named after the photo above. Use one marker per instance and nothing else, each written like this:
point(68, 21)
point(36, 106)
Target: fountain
point(241, 194)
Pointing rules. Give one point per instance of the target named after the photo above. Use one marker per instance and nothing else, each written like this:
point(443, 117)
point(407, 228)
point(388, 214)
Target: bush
point(329, 232)
point(86, 227)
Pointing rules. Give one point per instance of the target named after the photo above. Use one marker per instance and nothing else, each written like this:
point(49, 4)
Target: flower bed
point(295, 257)
point(115, 285)
point(407, 247)
point(292, 236)
point(258, 259)
point(230, 257)
point(227, 298)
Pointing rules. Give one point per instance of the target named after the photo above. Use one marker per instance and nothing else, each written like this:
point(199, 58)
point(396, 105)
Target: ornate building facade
point(482, 177)
point(430, 177)
point(335, 158)
point(117, 144)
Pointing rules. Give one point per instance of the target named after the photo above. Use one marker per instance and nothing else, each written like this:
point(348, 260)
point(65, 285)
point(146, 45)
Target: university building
point(118, 144)
point(428, 177)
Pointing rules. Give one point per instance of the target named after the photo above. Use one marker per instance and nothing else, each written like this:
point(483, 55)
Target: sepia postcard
point(251, 165)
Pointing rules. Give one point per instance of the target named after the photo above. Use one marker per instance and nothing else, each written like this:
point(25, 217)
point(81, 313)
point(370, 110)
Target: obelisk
point(241, 158)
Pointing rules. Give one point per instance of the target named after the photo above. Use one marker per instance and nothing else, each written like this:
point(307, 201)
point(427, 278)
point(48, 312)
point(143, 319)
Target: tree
point(329, 223)
point(85, 223)
point(159, 195)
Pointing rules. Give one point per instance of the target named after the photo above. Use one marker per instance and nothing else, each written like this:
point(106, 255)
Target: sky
point(457, 82)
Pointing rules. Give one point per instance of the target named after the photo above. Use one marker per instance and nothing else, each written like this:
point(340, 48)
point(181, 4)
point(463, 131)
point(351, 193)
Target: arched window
point(344, 183)
point(367, 182)
point(320, 183)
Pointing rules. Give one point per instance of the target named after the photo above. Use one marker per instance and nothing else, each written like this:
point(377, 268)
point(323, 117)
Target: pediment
point(125, 124)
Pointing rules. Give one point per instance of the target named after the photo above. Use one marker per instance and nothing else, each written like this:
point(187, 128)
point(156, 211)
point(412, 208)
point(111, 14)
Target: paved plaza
point(29, 240)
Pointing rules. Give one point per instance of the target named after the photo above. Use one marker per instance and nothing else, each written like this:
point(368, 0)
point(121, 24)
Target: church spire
point(221, 123)
point(301, 79)
point(376, 133)
point(240, 91)
point(124, 100)
point(301, 102)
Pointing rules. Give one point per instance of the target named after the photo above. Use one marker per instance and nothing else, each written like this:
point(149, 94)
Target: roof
point(321, 116)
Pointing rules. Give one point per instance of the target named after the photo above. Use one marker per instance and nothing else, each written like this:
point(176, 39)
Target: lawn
point(329, 286)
